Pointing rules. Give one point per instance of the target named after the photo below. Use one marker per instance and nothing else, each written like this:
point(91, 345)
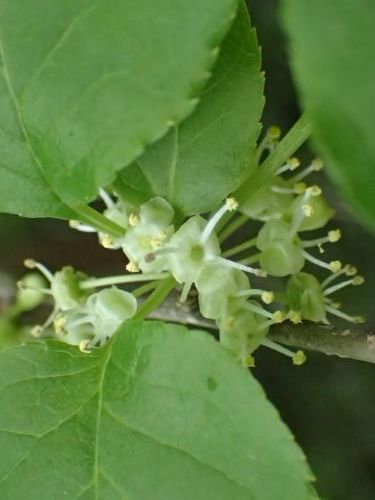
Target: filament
point(121, 279)
point(185, 291)
point(241, 267)
point(340, 314)
point(32, 264)
point(240, 248)
point(106, 198)
point(230, 205)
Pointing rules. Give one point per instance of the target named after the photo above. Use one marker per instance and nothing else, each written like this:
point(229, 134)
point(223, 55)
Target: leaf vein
point(58, 44)
point(158, 441)
point(98, 418)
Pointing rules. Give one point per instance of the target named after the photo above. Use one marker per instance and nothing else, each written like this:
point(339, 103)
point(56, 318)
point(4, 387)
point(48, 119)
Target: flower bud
point(29, 293)
point(305, 295)
point(320, 212)
point(216, 284)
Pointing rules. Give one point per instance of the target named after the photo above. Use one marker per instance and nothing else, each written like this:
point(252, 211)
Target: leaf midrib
point(98, 420)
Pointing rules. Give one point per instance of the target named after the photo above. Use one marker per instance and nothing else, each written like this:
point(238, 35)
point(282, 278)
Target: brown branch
point(327, 339)
point(346, 343)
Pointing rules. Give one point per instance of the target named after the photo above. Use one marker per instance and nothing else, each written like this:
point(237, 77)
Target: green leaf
point(204, 158)
point(132, 185)
point(333, 49)
point(23, 190)
point(159, 413)
point(86, 85)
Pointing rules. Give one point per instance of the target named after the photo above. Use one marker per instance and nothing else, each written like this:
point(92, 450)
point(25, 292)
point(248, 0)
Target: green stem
point(294, 139)
point(250, 260)
point(141, 290)
point(121, 279)
point(156, 298)
point(93, 218)
point(240, 248)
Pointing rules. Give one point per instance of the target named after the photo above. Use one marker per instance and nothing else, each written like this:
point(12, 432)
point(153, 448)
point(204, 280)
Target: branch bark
point(327, 339)
point(330, 340)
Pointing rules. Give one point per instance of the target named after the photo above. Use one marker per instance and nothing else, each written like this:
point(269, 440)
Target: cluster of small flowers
point(78, 316)
point(192, 255)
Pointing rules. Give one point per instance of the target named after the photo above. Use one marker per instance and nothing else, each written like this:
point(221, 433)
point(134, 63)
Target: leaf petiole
point(93, 218)
point(156, 298)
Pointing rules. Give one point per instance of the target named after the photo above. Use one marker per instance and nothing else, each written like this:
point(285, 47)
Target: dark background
point(328, 403)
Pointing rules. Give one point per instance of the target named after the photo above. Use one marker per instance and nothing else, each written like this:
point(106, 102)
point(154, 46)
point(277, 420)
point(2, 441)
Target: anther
point(350, 270)
point(293, 163)
point(335, 266)
point(268, 297)
point(133, 219)
point(278, 317)
point(314, 190)
point(73, 224)
point(290, 164)
point(274, 133)
point(29, 263)
point(249, 361)
point(334, 235)
point(231, 203)
point(307, 210)
point(107, 241)
point(299, 358)
point(317, 164)
point(83, 346)
point(132, 267)
point(299, 187)
point(358, 280)
point(37, 331)
point(59, 324)
point(295, 317)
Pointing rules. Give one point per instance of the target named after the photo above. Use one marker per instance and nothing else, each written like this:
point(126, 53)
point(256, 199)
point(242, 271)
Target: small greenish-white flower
point(148, 231)
point(270, 201)
point(216, 285)
point(195, 244)
point(64, 285)
point(320, 212)
point(311, 300)
point(190, 251)
point(97, 320)
point(241, 330)
point(31, 291)
point(118, 213)
point(281, 250)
